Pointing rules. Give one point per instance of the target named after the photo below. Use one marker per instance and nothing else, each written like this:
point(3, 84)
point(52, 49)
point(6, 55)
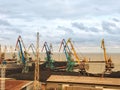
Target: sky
point(86, 22)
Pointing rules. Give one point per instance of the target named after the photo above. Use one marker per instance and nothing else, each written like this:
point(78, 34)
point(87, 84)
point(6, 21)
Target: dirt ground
point(45, 73)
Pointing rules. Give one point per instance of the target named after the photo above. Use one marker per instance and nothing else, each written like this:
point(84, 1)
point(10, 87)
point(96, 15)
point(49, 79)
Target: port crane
point(49, 61)
point(83, 66)
point(23, 55)
point(73, 51)
point(70, 62)
point(33, 48)
point(109, 65)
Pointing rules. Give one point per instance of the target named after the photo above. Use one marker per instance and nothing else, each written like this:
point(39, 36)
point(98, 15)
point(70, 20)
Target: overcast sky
point(85, 21)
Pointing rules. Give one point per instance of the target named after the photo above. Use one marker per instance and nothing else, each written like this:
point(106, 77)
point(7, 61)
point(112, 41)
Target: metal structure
point(51, 47)
point(33, 48)
point(3, 67)
point(37, 85)
point(108, 61)
point(23, 55)
point(13, 54)
point(70, 61)
point(83, 66)
point(49, 61)
point(73, 51)
point(3, 71)
point(2, 55)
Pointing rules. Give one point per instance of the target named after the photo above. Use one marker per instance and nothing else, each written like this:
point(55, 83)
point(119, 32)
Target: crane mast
point(37, 73)
point(104, 49)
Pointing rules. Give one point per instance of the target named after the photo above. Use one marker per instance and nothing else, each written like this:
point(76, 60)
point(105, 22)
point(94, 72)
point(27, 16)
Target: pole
point(36, 76)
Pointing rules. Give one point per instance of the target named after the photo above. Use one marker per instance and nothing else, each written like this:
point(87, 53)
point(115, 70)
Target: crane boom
point(46, 47)
point(21, 41)
point(32, 47)
point(22, 54)
point(74, 52)
point(18, 44)
point(104, 49)
point(66, 48)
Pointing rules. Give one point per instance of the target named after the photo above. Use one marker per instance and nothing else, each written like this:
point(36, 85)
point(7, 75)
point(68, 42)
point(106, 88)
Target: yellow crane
point(75, 53)
point(108, 61)
point(73, 49)
point(82, 64)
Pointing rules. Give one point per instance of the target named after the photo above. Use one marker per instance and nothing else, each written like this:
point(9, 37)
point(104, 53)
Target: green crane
point(23, 55)
point(70, 61)
point(49, 61)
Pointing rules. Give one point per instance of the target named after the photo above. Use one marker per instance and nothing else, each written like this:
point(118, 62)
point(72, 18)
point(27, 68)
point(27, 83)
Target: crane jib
point(21, 51)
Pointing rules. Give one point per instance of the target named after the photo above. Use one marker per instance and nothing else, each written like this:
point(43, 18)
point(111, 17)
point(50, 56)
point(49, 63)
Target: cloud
point(94, 29)
point(110, 27)
point(59, 9)
point(84, 21)
point(81, 26)
point(116, 20)
point(66, 29)
point(4, 22)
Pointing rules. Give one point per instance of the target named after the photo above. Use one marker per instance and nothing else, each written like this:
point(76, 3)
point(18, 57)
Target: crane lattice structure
point(109, 65)
point(36, 76)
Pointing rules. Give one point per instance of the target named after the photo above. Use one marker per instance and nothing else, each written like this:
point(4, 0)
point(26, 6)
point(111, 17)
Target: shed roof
point(16, 84)
point(84, 80)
